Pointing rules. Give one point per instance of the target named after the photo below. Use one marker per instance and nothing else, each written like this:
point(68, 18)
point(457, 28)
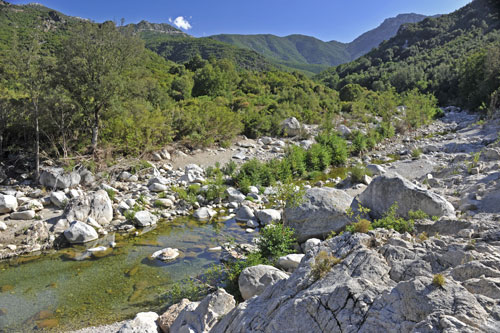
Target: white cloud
point(170, 20)
point(181, 22)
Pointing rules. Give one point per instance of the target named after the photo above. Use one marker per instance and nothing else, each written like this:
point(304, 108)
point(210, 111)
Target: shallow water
point(64, 290)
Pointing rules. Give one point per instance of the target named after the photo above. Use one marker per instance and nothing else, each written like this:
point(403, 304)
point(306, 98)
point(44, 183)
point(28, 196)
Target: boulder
point(322, 211)
point(59, 199)
point(204, 213)
point(244, 214)
point(253, 280)
point(268, 216)
point(233, 195)
point(144, 218)
point(156, 187)
point(290, 127)
point(169, 316)
point(344, 130)
point(290, 262)
point(202, 316)
point(166, 254)
point(375, 169)
point(311, 244)
point(87, 178)
point(387, 189)
point(8, 203)
point(23, 215)
point(3, 226)
point(96, 205)
point(164, 203)
point(79, 232)
point(144, 322)
point(57, 178)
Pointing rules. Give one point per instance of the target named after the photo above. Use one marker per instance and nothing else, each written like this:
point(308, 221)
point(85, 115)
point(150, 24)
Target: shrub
point(358, 172)
point(289, 194)
point(323, 263)
point(229, 168)
point(336, 145)
point(417, 215)
point(362, 226)
point(438, 280)
point(141, 165)
point(111, 194)
point(423, 237)
point(392, 221)
point(359, 143)
point(275, 241)
point(317, 158)
point(416, 153)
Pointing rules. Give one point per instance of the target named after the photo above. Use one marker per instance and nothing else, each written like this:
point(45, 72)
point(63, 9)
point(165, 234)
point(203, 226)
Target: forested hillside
point(313, 55)
point(455, 57)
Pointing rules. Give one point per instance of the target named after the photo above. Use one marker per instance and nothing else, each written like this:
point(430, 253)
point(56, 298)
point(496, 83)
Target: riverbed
point(71, 288)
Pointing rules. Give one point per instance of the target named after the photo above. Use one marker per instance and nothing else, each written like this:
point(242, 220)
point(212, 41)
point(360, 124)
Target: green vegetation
point(275, 241)
point(438, 280)
point(453, 56)
point(362, 226)
point(391, 220)
point(323, 263)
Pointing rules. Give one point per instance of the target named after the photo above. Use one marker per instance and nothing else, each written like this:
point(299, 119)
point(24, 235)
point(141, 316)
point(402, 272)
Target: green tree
point(93, 60)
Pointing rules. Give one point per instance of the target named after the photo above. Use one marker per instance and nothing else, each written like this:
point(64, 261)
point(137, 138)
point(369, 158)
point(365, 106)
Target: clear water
point(61, 291)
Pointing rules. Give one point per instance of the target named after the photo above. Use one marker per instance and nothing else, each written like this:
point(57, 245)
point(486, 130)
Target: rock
point(93, 223)
point(79, 232)
point(244, 214)
point(8, 203)
point(23, 215)
point(290, 127)
point(201, 316)
point(268, 216)
point(322, 211)
point(366, 179)
point(255, 279)
point(382, 284)
point(240, 156)
point(3, 226)
point(165, 154)
point(344, 130)
point(252, 224)
point(156, 187)
point(125, 176)
point(375, 169)
point(253, 189)
point(204, 213)
point(234, 195)
point(290, 262)
point(384, 190)
point(164, 203)
point(59, 199)
point(144, 218)
point(57, 178)
point(311, 244)
point(96, 205)
point(166, 254)
point(144, 322)
point(87, 178)
point(32, 204)
point(168, 317)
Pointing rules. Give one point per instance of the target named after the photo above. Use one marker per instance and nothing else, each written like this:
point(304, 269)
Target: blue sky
point(341, 20)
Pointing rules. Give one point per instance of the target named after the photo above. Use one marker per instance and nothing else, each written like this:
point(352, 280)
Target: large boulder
point(255, 279)
point(144, 218)
point(169, 316)
point(204, 213)
point(23, 215)
point(202, 316)
point(57, 178)
point(8, 203)
point(144, 322)
point(290, 127)
point(233, 195)
point(79, 232)
point(96, 205)
point(383, 283)
point(389, 188)
point(322, 211)
point(268, 216)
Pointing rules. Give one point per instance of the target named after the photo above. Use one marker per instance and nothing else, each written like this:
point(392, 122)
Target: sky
point(341, 20)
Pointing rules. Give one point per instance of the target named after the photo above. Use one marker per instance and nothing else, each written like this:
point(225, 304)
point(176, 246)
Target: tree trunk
point(95, 132)
point(37, 144)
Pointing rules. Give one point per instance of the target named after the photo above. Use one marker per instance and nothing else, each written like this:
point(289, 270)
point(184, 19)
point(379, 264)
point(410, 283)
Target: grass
point(362, 226)
point(438, 280)
point(416, 153)
point(323, 263)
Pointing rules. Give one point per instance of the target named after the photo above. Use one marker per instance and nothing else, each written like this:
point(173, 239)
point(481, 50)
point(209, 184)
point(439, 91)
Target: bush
point(111, 194)
point(392, 221)
point(362, 226)
point(438, 280)
point(317, 158)
point(275, 241)
point(323, 263)
point(359, 143)
point(358, 172)
point(417, 215)
point(336, 145)
point(416, 153)
point(229, 168)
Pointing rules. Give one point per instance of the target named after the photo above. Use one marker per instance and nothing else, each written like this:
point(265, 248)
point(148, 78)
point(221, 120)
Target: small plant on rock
point(362, 226)
point(438, 280)
point(275, 241)
point(323, 263)
point(111, 194)
point(416, 153)
point(358, 172)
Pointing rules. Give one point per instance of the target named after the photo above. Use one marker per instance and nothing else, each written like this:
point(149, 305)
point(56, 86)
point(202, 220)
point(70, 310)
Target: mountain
point(429, 55)
point(309, 53)
point(370, 39)
point(177, 46)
